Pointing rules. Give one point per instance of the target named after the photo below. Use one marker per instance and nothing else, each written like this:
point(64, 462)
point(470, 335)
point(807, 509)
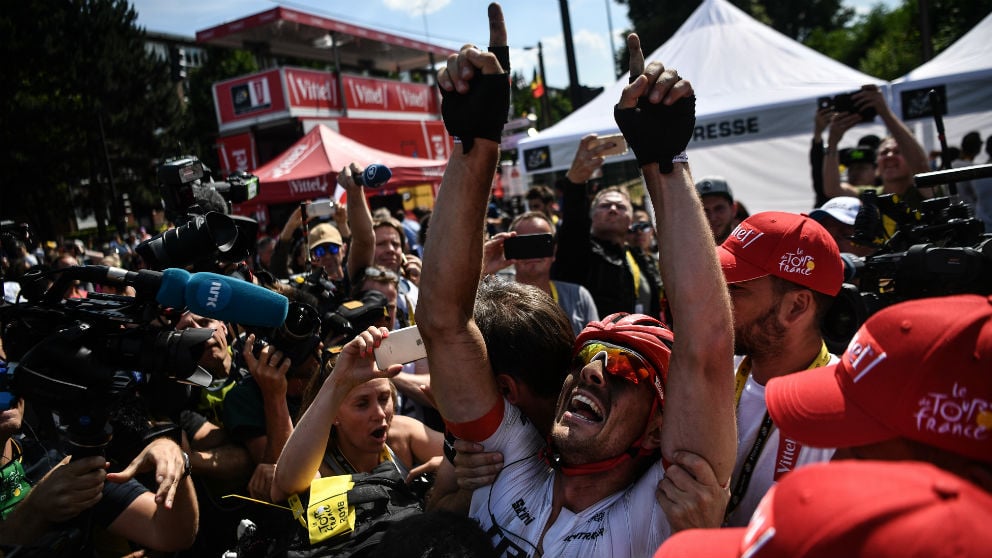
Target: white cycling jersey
point(513, 511)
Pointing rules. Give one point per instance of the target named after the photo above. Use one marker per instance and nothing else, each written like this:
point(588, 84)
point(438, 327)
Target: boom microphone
point(374, 175)
point(207, 294)
point(233, 300)
point(222, 298)
point(164, 286)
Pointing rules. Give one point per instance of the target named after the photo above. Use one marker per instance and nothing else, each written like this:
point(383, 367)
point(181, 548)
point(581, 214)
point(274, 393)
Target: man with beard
point(782, 270)
point(600, 487)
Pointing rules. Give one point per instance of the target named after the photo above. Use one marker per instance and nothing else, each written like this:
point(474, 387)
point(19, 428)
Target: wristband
point(187, 466)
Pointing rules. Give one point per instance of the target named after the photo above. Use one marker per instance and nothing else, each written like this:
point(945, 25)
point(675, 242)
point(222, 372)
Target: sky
point(449, 23)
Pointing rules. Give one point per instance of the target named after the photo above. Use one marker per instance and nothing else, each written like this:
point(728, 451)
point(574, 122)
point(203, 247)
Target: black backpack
point(380, 498)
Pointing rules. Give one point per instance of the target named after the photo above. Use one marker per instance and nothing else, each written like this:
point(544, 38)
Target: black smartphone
point(528, 246)
point(843, 103)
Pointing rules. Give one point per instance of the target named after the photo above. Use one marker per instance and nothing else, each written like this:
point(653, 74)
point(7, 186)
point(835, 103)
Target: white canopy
point(964, 70)
point(756, 93)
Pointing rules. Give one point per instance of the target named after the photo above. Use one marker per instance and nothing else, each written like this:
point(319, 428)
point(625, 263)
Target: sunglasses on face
point(320, 251)
point(618, 361)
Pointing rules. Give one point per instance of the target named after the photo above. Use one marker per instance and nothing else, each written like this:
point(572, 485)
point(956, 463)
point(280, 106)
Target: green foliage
point(81, 91)
point(896, 48)
point(524, 103)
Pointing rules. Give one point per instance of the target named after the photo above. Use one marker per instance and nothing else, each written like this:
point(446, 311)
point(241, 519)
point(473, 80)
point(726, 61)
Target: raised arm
point(832, 184)
point(571, 258)
point(820, 122)
point(300, 459)
point(916, 158)
point(656, 114)
point(361, 251)
point(475, 95)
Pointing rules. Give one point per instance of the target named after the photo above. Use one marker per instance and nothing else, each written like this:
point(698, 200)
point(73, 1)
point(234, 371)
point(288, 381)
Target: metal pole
point(925, 35)
point(573, 72)
point(545, 103)
point(337, 69)
point(114, 213)
point(613, 48)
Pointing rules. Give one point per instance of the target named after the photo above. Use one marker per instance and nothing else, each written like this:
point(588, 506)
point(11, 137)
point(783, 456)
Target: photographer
point(55, 500)
point(259, 410)
point(900, 156)
point(326, 236)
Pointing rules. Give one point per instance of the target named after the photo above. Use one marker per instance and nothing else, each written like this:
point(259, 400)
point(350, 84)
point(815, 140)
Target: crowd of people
point(656, 381)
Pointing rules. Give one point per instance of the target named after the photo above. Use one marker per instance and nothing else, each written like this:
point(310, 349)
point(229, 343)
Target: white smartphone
point(320, 208)
point(619, 145)
point(402, 346)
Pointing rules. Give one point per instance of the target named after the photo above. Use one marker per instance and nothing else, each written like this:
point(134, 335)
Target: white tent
point(964, 71)
point(756, 92)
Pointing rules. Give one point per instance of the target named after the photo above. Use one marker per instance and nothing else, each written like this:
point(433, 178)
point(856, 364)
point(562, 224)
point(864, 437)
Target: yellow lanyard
point(554, 291)
point(744, 370)
point(636, 272)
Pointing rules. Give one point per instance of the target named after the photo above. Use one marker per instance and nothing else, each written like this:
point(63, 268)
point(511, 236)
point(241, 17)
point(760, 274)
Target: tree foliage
point(85, 102)
point(220, 64)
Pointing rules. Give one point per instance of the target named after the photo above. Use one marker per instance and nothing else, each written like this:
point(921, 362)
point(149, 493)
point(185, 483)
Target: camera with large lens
point(201, 238)
point(205, 234)
point(936, 250)
point(353, 316)
point(297, 338)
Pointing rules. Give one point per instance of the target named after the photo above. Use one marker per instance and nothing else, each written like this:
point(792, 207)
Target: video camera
point(205, 233)
point(936, 250)
point(76, 358)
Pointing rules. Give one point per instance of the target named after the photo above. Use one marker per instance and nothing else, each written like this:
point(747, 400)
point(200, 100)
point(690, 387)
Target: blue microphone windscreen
point(233, 300)
point(376, 175)
point(172, 292)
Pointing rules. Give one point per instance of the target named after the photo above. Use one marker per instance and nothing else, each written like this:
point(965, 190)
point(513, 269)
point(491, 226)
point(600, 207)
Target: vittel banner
point(312, 89)
point(373, 94)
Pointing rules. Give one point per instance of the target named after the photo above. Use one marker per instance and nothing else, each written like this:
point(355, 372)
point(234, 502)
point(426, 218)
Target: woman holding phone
point(350, 425)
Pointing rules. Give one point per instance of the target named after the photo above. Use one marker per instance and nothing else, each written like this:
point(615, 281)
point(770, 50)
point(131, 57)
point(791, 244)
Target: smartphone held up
point(528, 246)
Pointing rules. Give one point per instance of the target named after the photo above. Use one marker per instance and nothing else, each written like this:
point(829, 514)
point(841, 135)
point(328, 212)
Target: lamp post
point(573, 72)
point(545, 105)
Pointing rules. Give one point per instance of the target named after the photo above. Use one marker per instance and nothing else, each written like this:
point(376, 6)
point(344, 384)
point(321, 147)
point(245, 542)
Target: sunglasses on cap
point(376, 273)
point(324, 249)
point(618, 361)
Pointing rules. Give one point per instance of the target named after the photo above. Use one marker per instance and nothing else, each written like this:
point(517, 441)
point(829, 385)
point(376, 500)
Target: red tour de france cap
point(920, 370)
point(854, 509)
point(787, 245)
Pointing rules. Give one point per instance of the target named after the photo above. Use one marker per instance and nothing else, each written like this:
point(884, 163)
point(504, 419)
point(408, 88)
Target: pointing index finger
point(636, 56)
point(497, 37)
point(497, 26)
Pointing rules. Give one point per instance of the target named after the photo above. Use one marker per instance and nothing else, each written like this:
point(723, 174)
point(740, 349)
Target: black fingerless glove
point(657, 133)
point(502, 56)
point(480, 113)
